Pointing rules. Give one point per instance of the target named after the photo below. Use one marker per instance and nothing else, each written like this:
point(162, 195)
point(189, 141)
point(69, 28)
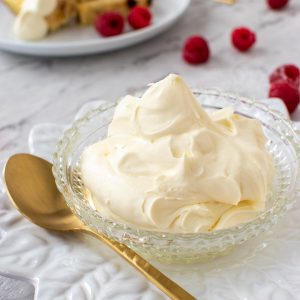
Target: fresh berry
point(287, 93)
point(243, 38)
point(139, 17)
point(195, 50)
point(289, 73)
point(110, 24)
point(277, 4)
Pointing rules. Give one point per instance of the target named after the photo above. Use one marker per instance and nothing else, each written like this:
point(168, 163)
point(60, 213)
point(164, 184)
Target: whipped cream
point(168, 165)
point(31, 22)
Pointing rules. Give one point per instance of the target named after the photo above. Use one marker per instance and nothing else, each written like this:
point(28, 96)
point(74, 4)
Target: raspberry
point(289, 73)
point(139, 17)
point(109, 24)
point(277, 4)
point(243, 38)
point(195, 50)
point(287, 93)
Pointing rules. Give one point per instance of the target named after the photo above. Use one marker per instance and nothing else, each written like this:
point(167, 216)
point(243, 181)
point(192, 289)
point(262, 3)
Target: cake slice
point(88, 10)
point(65, 11)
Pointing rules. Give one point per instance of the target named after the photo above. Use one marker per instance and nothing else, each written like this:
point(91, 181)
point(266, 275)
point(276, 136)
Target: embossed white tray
point(69, 266)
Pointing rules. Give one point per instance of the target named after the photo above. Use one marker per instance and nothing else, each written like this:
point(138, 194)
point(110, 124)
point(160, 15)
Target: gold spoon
point(32, 189)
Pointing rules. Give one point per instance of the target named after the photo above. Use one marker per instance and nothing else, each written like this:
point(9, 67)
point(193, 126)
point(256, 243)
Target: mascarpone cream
point(168, 165)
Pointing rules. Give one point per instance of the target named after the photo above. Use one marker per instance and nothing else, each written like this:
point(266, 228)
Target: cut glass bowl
point(283, 144)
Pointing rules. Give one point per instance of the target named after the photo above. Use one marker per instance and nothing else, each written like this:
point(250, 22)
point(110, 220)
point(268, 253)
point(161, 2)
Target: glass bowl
point(283, 144)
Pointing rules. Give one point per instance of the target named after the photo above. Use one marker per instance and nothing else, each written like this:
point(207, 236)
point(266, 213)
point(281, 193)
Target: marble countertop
point(38, 90)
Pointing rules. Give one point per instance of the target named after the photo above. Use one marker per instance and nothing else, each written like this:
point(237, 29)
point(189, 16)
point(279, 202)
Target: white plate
point(68, 266)
point(78, 40)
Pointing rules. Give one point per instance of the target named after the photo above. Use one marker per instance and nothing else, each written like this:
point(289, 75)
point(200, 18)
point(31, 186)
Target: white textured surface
point(17, 287)
point(37, 91)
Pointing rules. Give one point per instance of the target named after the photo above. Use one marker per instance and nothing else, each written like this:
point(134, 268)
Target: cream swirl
point(168, 165)
point(31, 22)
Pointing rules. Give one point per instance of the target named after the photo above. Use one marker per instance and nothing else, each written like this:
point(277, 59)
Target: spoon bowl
point(32, 190)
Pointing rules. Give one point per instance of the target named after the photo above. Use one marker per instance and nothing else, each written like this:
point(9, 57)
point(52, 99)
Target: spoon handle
point(166, 285)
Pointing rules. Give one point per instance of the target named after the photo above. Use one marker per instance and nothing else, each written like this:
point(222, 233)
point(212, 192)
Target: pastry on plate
point(63, 14)
point(88, 10)
point(36, 18)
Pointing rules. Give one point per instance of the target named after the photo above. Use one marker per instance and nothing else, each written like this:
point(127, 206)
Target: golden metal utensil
point(31, 187)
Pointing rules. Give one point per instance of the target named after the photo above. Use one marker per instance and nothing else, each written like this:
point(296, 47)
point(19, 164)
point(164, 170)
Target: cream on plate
point(168, 165)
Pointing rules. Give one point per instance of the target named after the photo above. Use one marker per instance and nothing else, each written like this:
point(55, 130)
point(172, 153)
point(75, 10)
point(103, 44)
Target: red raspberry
point(195, 50)
point(289, 73)
point(243, 38)
point(277, 4)
point(287, 93)
point(110, 24)
point(139, 17)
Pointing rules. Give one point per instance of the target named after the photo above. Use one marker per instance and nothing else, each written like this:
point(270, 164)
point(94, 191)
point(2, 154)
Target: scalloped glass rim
point(263, 218)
